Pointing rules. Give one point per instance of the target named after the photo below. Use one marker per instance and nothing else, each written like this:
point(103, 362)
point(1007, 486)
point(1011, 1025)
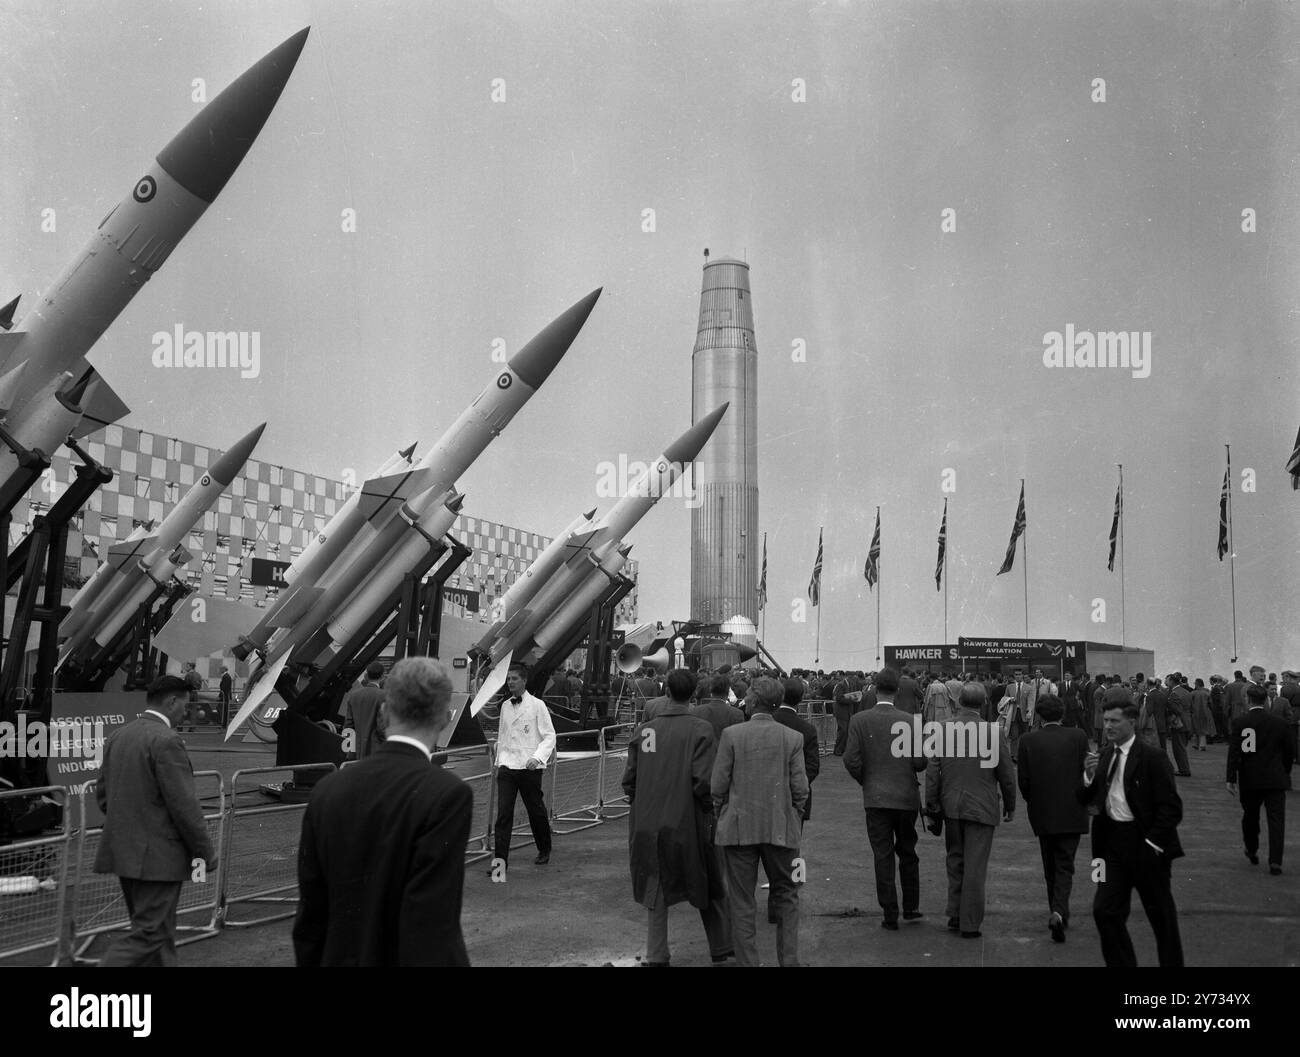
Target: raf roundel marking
point(504, 381)
point(145, 189)
point(663, 467)
point(206, 480)
point(321, 537)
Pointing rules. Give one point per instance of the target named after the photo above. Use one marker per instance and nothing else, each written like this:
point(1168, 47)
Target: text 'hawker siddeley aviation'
point(359, 560)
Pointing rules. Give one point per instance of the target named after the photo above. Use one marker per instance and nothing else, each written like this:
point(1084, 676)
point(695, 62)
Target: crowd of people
point(719, 778)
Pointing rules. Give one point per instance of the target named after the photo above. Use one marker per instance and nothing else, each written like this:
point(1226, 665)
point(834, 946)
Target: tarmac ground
point(578, 910)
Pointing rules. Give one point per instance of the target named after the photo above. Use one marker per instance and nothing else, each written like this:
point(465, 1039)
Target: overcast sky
point(479, 220)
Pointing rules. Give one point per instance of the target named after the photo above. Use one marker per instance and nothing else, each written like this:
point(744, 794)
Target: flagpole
point(1024, 539)
point(878, 585)
point(763, 611)
point(1123, 622)
point(945, 572)
point(1232, 570)
point(817, 647)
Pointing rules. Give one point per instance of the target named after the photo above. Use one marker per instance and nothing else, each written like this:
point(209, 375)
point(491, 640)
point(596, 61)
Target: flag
point(1114, 533)
point(815, 584)
point(762, 583)
point(1293, 465)
point(1223, 517)
point(872, 571)
point(1016, 531)
point(943, 546)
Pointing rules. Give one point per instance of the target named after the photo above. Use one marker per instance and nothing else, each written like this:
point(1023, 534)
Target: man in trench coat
point(670, 827)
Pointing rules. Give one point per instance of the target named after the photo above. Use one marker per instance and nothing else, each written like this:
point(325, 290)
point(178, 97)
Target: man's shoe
point(1253, 857)
point(912, 915)
point(971, 935)
point(719, 959)
point(1274, 869)
point(654, 965)
point(542, 859)
point(954, 924)
point(891, 925)
point(1056, 926)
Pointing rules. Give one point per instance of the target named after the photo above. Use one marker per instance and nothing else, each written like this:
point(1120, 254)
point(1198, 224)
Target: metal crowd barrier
point(574, 797)
point(484, 789)
point(98, 905)
point(260, 856)
point(33, 882)
point(613, 762)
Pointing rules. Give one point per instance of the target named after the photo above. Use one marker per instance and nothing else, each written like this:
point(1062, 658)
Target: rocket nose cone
point(226, 467)
point(207, 151)
point(689, 445)
point(536, 360)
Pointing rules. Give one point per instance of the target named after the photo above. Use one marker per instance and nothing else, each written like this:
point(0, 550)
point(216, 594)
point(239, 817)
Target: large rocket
point(571, 574)
point(47, 387)
point(144, 561)
point(367, 550)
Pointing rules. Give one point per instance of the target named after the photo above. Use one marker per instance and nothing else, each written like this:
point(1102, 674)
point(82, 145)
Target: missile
point(390, 485)
point(372, 565)
point(596, 546)
point(132, 243)
point(133, 582)
point(118, 555)
point(521, 592)
point(579, 604)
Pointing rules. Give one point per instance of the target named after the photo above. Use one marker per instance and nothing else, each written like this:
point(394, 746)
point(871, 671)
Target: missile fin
point(495, 681)
point(379, 494)
point(257, 696)
point(7, 314)
point(9, 386)
point(121, 553)
point(100, 405)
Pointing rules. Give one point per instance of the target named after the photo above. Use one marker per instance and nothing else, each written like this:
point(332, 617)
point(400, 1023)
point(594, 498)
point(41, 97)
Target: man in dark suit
point(788, 716)
point(154, 833)
point(381, 860)
point(1070, 701)
point(361, 712)
point(1179, 710)
point(1135, 801)
point(1049, 772)
point(1260, 762)
point(227, 693)
point(1157, 708)
point(844, 706)
point(908, 697)
point(890, 795)
point(963, 785)
point(713, 706)
point(1234, 697)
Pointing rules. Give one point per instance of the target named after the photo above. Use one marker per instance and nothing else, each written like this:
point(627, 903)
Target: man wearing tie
point(1132, 793)
point(525, 742)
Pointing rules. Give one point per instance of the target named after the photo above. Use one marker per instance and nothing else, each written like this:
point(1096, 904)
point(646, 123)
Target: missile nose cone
point(406, 453)
point(7, 313)
point(226, 467)
point(625, 550)
point(207, 151)
point(590, 514)
point(456, 502)
point(689, 445)
point(536, 360)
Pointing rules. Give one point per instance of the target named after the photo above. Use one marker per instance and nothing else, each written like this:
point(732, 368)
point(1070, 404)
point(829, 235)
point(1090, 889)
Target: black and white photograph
point(652, 484)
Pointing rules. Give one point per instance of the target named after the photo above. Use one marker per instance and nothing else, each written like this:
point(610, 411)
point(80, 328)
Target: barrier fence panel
point(613, 762)
point(98, 905)
point(826, 733)
point(575, 783)
point(473, 764)
point(260, 857)
point(34, 880)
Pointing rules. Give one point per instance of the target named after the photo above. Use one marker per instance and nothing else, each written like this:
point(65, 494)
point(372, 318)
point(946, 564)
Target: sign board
point(458, 596)
point(89, 719)
point(267, 572)
point(900, 655)
point(1023, 649)
point(460, 662)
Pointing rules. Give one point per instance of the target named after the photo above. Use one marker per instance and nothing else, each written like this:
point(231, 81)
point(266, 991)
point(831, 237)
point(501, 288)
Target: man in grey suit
point(1049, 770)
point(890, 795)
point(154, 833)
point(961, 784)
point(361, 712)
point(759, 789)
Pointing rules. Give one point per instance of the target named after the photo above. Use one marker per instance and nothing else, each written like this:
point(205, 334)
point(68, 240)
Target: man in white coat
point(525, 742)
